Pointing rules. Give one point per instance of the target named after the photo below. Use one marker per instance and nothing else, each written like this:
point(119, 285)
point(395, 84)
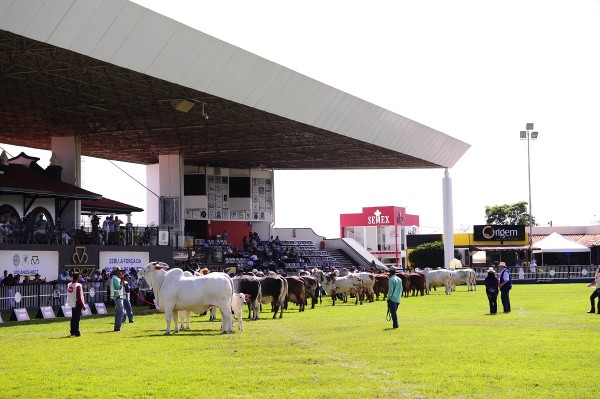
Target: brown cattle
point(381, 285)
point(296, 292)
point(312, 289)
point(405, 277)
point(417, 283)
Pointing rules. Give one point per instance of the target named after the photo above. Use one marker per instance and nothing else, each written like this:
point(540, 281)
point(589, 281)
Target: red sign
point(379, 216)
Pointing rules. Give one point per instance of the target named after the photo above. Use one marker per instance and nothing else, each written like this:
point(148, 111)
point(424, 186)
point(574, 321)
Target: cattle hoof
point(166, 333)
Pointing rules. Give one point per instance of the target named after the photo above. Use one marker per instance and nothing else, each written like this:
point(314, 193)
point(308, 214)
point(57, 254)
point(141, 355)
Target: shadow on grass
point(182, 333)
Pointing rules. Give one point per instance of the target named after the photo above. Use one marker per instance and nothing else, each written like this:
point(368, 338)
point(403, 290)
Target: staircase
point(342, 257)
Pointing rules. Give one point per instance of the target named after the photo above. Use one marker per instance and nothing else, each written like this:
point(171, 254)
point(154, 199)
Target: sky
point(475, 70)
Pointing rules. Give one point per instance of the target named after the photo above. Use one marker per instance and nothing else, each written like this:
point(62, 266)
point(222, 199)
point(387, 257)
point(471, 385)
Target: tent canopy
point(557, 243)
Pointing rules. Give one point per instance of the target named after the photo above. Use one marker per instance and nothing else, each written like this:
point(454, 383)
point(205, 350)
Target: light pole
point(529, 135)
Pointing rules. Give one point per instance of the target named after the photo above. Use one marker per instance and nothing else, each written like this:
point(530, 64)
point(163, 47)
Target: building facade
point(382, 230)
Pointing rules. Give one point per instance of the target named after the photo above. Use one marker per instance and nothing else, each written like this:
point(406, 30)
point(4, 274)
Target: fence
point(54, 294)
point(32, 296)
point(555, 273)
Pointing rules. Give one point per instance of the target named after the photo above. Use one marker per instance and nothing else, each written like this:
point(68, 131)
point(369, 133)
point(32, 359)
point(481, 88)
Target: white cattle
point(334, 285)
point(185, 315)
point(464, 276)
point(367, 281)
point(237, 306)
point(174, 292)
point(437, 278)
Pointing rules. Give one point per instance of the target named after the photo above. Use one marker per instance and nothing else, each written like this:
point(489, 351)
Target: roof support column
point(166, 180)
point(448, 219)
point(67, 151)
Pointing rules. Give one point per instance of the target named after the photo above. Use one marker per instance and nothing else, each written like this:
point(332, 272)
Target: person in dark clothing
point(394, 295)
point(505, 286)
point(596, 293)
point(491, 289)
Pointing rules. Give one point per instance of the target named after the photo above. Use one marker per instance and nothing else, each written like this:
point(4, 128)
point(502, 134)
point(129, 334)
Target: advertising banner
point(123, 259)
point(30, 262)
point(493, 232)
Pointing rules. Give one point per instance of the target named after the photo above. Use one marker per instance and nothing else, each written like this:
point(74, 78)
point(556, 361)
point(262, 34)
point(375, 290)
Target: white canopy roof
point(127, 35)
point(557, 243)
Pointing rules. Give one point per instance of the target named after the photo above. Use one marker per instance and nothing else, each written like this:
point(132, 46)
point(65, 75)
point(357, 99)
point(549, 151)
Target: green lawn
point(446, 347)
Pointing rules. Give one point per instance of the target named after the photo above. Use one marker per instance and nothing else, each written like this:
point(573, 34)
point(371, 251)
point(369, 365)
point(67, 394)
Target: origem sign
point(493, 232)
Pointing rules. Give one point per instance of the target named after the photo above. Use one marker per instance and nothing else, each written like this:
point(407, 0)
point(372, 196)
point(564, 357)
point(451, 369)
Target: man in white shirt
point(76, 301)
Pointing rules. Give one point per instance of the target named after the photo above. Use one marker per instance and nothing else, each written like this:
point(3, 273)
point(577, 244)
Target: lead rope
point(143, 299)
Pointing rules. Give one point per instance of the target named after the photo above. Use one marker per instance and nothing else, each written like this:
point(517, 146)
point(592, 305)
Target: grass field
point(446, 347)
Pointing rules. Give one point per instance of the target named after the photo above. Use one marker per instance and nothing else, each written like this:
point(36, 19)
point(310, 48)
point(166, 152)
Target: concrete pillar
point(448, 219)
point(68, 151)
point(165, 179)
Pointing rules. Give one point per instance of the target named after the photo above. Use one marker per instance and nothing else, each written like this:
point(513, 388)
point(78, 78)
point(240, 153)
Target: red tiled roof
point(107, 206)
point(23, 180)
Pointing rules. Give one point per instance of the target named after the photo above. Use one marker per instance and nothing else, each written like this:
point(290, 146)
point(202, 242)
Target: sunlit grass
point(446, 347)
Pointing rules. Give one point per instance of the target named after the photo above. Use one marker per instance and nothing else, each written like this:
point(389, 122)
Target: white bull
point(185, 315)
point(464, 276)
point(437, 278)
point(174, 292)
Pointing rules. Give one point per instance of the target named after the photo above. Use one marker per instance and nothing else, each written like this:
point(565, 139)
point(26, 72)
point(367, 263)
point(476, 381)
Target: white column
point(68, 151)
point(448, 220)
point(165, 180)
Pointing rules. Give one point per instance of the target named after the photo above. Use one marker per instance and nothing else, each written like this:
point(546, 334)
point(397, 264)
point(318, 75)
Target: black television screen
point(239, 187)
point(194, 184)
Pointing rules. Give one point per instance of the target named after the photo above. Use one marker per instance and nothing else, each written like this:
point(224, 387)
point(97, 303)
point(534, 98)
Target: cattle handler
point(394, 295)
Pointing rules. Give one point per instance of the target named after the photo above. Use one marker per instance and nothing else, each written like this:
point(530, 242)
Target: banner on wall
point(499, 232)
point(123, 259)
point(30, 262)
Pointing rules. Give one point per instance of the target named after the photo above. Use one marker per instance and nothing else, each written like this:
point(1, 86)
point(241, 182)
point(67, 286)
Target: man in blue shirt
point(394, 295)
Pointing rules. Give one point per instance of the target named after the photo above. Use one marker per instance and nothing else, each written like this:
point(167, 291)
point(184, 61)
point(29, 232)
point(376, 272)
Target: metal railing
point(48, 294)
point(83, 235)
point(558, 273)
point(54, 293)
point(32, 296)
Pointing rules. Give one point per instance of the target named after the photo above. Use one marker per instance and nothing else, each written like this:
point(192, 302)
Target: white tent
point(557, 243)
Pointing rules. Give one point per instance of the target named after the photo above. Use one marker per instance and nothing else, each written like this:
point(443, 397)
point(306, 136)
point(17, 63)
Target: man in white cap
point(117, 294)
point(505, 286)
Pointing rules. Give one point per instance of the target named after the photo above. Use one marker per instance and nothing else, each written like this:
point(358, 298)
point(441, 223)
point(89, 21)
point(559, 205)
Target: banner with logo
point(493, 232)
point(30, 262)
point(124, 260)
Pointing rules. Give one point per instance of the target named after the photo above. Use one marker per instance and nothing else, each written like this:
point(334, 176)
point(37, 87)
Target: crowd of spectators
point(9, 279)
point(36, 228)
point(257, 253)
